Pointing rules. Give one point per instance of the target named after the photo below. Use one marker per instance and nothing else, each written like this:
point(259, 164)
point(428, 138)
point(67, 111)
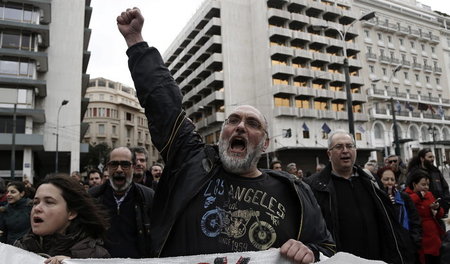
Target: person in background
point(105, 175)
point(404, 207)
point(141, 174)
point(291, 168)
point(65, 222)
point(3, 200)
point(445, 247)
point(29, 189)
point(156, 171)
point(276, 165)
point(430, 213)
point(371, 167)
point(358, 214)
point(77, 176)
point(15, 220)
point(395, 163)
point(95, 178)
point(438, 185)
point(201, 183)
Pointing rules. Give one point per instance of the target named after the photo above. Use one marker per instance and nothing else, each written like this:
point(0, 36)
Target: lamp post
point(432, 130)
point(394, 119)
point(343, 34)
point(63, 103)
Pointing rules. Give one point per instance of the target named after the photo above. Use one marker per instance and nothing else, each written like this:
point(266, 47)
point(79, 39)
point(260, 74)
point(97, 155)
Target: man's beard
point(238, 165)
point(137, 177)
point(116, 188)
point(428, 164)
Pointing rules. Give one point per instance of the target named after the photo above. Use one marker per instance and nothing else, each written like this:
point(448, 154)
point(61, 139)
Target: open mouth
point(37, 220)
point(346, 158)
point(238, 144)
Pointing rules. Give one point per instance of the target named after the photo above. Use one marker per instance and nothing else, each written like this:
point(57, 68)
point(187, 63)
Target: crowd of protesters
point(213, 199)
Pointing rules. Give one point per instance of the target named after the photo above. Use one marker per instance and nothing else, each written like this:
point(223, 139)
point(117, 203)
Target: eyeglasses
point(341, 147)
point(124, 164)
point(250, 123)
point(392, 161)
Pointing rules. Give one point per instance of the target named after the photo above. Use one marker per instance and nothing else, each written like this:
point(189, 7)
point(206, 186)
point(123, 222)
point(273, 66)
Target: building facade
point(406, 54)
point(41, 65)
point(286, 57)
point(116, 118)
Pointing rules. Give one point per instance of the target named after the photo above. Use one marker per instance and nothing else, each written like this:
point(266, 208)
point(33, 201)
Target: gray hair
point(291, 165)
point(339, 131)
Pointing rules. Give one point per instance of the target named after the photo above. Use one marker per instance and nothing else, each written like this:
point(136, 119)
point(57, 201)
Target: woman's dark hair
point(20, 186)
point(415, 162)
point(91, 219)
point(416, 176)
point(380, 171)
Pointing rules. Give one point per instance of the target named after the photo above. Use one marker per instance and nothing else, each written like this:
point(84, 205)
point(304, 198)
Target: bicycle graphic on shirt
point(234, 225)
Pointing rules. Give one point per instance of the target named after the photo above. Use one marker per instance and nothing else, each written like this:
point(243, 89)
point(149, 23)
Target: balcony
point(342, 115)
point(427, 68)
point(322, 93)
point(284, 111)
point(371, 56)
point(417, 66)
point(340, 96)
point(359, 97)
point(306, 92)
point(33, 141)
point(303, 112)
point(406, 63)
point(385, 59)
point(324, 114)
point(360, 117)
point(437, 70)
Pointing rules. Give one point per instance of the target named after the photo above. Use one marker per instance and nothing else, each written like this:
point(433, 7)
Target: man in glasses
point(357, 213)
point(129, 206)
point(394, 162)
point(213, 199)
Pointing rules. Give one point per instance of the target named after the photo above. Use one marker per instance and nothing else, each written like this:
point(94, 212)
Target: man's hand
point(130, 25)
point(55, 260)
point(296, 251)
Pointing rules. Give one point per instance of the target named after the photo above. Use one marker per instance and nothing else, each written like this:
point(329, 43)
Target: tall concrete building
point(286, 57)
point(116, 118)
point(43, 62)
point(406, 52)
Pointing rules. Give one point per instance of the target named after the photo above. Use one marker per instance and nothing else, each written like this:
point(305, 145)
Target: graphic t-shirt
point(232, 214)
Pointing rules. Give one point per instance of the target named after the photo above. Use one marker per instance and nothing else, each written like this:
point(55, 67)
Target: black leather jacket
point(396, 245)
point(190, 164)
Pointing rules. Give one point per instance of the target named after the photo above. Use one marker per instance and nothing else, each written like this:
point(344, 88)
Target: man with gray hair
point(357, 213)
point(214, 199)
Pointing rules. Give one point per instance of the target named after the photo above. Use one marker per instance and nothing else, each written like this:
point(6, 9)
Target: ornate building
point(116, 118)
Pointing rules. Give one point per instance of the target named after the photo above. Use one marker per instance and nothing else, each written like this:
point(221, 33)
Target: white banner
point(13, 255)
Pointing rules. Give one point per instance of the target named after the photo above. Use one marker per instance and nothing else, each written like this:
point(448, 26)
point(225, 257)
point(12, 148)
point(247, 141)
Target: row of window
point(102, 130)
point(19, 12)
point(17, 67)
point(401, 41)
point(404, 57)
point(17, 40)
point(101, 112)
point(316, 105)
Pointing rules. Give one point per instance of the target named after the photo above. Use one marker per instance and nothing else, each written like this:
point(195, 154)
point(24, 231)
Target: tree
point(98, 154)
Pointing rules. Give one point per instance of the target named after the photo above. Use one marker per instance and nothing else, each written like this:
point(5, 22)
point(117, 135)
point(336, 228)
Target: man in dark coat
point(129, 206)
point(358, 214)
point(213, 199)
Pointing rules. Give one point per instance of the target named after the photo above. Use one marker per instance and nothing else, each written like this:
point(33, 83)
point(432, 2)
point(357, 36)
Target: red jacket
point(431, 230)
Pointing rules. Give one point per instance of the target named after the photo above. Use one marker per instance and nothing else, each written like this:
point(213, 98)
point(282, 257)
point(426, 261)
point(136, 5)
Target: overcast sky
point(164, 19)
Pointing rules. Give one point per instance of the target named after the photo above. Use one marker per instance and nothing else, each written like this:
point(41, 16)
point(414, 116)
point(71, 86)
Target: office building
point(287, 59)
point(43, 62)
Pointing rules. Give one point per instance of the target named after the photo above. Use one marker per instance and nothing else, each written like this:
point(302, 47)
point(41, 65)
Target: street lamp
point(342, 34)
point(63, 103)
point(394, 119)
